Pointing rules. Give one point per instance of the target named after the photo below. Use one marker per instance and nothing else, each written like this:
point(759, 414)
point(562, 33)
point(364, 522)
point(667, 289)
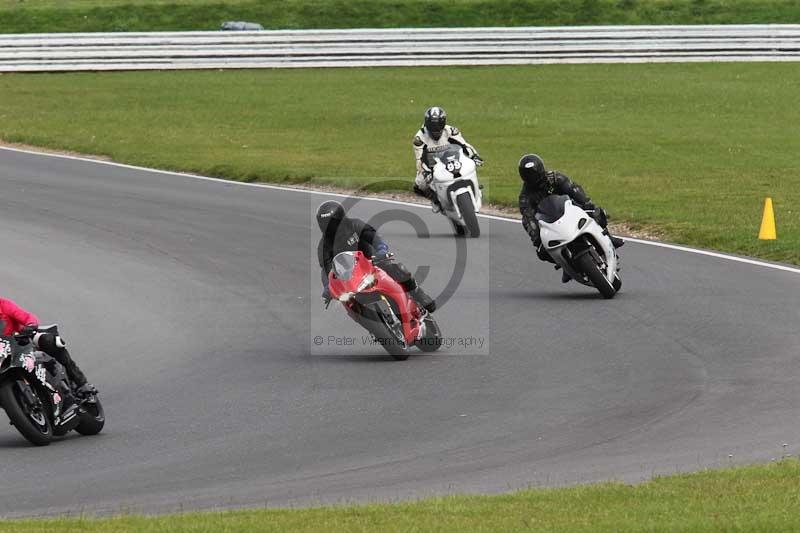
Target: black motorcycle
point(37, 395)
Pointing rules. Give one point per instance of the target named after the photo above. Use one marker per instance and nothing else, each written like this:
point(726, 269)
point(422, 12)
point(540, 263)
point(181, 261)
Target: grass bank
point(692, 149)
point(755, 498)
point(39, 16)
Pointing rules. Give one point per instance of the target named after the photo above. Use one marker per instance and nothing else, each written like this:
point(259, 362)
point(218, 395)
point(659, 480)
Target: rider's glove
point(381, 252)
point(478, 160)
point(28, 330)
point(600, 216)
point(326, 296)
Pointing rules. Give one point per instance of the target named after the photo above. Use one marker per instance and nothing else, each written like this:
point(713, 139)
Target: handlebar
point(375, 258)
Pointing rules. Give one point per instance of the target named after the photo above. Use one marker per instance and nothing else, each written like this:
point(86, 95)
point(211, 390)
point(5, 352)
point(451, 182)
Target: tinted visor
point(435, 125)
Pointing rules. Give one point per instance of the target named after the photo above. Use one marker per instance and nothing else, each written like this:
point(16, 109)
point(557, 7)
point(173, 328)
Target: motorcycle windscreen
point(551, 208)
point(448, 152)
point(343, 265)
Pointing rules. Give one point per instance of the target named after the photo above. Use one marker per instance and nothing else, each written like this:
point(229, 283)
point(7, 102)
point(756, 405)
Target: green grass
point(18, 16)
point(755, 498)
point(692, 149)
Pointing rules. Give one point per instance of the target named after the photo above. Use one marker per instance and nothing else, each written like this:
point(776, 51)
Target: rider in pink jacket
point(15, 319)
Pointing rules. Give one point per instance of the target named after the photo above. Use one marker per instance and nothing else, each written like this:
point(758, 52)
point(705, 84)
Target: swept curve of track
point(193, 304)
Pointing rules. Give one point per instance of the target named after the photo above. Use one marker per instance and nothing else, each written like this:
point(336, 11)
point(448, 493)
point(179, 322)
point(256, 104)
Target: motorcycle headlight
point(344, 298)
point(367, 282)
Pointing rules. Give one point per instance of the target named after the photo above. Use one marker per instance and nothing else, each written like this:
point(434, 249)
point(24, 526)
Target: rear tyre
point(432, 340)
point(92, 418)
point(587, 265)
point(31, 422)
point(467, 210)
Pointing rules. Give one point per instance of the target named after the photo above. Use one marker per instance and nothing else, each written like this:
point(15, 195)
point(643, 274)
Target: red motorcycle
point(377, 302)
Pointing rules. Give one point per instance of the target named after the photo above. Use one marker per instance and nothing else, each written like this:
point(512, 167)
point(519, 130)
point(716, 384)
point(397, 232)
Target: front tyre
point(393, 345)
point(587, 265)
point(92, 418)
point(30, 420)
point(458, 229)
point(467, 210)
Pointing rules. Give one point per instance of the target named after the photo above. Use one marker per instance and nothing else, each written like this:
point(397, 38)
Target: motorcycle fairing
point(562, 223)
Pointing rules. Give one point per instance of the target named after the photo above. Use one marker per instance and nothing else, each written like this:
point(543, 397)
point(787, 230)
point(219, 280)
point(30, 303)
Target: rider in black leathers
point(540, 183)
point(342, 234)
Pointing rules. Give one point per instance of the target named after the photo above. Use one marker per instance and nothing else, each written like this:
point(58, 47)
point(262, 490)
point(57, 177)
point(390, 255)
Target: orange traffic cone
point(767, 232)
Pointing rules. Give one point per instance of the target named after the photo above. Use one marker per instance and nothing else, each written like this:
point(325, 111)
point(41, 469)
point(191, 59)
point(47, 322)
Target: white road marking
point(717, 255)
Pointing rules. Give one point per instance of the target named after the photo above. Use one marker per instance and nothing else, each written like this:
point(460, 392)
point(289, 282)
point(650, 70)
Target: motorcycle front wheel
point(30, 420)
point(458, 229)
point(467, 210)
point(592, 270)
point(394, 345)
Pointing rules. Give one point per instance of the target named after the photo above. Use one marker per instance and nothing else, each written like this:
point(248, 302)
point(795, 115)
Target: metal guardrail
point(398, 47)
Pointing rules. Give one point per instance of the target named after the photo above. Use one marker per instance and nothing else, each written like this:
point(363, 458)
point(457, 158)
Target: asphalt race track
point(194, 304)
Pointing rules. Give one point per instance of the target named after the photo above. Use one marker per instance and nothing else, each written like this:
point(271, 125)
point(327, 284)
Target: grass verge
point(753, 498)
point(690, 149)
point(40, 16)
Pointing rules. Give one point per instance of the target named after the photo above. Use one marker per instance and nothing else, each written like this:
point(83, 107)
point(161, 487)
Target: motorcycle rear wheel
point(33, 425)
point(432, 340)
point(93, 418)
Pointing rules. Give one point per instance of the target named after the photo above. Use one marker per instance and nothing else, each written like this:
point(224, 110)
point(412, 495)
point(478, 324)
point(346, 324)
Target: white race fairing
point(567, 231)
point(454, 179)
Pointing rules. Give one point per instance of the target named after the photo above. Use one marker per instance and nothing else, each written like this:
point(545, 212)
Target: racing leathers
point(425, 144)
point(16, 320)
point(556, 183)
point(353, 234)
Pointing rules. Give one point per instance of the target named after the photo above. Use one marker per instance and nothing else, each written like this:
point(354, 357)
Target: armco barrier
point(398, 47)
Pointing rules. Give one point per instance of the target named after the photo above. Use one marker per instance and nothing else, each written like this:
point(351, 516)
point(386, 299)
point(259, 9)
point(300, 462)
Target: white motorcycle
point(454, 179)
point(578, 244)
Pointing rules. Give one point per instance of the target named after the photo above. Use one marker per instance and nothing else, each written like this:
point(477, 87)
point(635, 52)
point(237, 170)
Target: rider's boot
point(422, 299)
point(55, 349)
point(437, 207)
point(87, 390)
point(565, 278)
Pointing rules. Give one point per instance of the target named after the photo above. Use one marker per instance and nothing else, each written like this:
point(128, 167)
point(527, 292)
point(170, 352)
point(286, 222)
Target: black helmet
point(435, 120)
point(327, 212)
point(531, 169)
